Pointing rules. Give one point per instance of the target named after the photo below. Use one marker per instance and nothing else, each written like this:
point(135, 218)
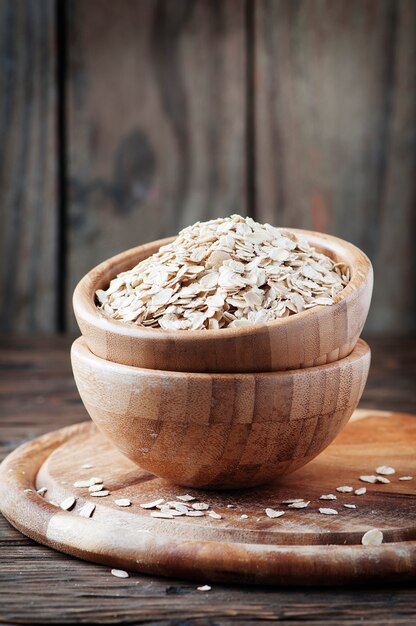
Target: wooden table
point(40, 586)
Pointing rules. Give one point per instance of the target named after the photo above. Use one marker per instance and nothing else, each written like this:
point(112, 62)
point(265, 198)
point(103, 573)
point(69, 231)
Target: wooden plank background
point(156, 114)
point(28, 191)
point(335, 133)
point(121, 122)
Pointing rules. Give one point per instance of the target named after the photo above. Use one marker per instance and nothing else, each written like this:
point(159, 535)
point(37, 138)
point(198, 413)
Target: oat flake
point(200, 506)
point(123, 502)
point(272, 513)
point(385, 470)
point(68, 503)
point(373, 537)
point(369, 479)
point(325, 511)
point(153, 504)
point(95, 488)
point(87, 510)
point(119, 573)
point(299, 505)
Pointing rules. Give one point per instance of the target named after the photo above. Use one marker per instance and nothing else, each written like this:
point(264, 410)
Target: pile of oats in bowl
point(224, 273)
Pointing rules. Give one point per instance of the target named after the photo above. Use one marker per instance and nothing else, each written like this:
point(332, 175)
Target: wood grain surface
point(303, 547)
point(38, 394)
point(156, 113)
point(335, 103)
point(220, 430)
point(313, 337)
point(28, 190)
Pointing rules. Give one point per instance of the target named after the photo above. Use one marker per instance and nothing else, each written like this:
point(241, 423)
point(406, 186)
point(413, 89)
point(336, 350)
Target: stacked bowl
point(228, 408)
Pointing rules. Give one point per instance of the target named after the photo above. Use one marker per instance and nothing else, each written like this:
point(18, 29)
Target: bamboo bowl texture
point(220, 430)
point(317, 336)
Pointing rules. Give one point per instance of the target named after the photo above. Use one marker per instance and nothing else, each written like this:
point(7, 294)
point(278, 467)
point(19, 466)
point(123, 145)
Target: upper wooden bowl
point(314, 337)
point(220, 430)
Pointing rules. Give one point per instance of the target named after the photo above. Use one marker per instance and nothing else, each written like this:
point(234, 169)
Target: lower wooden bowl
point(220, 430)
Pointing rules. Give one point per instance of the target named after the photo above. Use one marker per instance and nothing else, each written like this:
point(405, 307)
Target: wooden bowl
point(220, 430)
point(314, 337)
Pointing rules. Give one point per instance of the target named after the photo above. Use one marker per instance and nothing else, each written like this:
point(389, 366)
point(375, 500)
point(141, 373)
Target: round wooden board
point(301, 547)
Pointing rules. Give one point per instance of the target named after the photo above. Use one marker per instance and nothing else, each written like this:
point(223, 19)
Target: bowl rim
point(85, 308)
point(80, 346)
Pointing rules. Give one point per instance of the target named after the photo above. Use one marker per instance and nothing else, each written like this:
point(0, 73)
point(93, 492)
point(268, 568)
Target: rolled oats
point(373, 537)
point(224, 273)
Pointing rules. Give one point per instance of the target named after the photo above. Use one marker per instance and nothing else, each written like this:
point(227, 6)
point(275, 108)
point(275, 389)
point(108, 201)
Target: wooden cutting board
point(301, 547)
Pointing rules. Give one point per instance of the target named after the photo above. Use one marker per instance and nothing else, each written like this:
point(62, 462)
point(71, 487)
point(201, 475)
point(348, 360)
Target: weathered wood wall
point(121, 122)
point(335, 132)
point(156, 121)
point(28, 190)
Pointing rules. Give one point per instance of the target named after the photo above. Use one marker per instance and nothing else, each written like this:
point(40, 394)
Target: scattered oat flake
point(186, 498)
point(42, 491)
point(96, 480)
point(369, 479)
point(119, 573)
point(27, 490)
point(179, 506)
point(385, 470)
point(123, 502)
point(361, 491)
point(345, 489)
point(299, 505)
point(406, 478)
point(95, 488)
point(174, 512)
point(68, 503)
point(153, 504)
point(81, 484)
point(204, 588)
point(373, 537)
point(350, 506)
point(293, 501)
point(328, 496)
point(214, 515)
point(87, 510)
point(244, 516)
point(100, 494)
point(87, 466)
point(325, 511)
point(272, 513)
point(383, 479)
point(200, 506)
point(195, 514)
point(162, 515)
